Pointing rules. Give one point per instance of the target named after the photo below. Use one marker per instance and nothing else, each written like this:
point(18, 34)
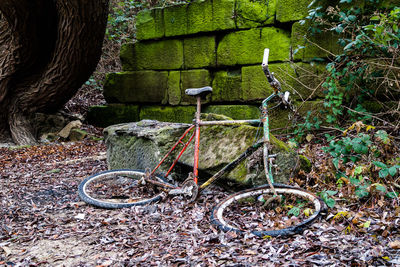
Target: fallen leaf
point(7, 251)
point(395, 244)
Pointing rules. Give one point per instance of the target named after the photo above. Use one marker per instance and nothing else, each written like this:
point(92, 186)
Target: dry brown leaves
point(45, 223)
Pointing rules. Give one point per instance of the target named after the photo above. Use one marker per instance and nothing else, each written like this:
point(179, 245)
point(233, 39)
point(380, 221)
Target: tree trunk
point(49, 48)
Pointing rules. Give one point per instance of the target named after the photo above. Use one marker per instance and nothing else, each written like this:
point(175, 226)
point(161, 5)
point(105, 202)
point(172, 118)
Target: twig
point(369, 114)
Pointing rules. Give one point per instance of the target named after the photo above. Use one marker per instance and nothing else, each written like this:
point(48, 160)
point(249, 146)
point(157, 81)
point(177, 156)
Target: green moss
point(227, 86)
point(199, 52)
point(136, 87)
point(103, 116)
point(291, 10)
point(241, 174)
point(150, 24)
point(168, 114)
point(251, 14)
point(193, 79)
point(299, 79)
point(255, 86)
point(305, 163)
point(237, 112)
point(174, 88)
point(223, 14)
point(127, 57)
point(200, 15)
point(247, 47)
point(175, 20)
point(154, 55)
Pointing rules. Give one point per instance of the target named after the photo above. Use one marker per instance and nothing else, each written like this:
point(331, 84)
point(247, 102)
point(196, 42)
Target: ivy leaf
point(330, 202)
point(294, 211)
point(351, 18)
point(379, 164)
point(336, 163)
point(361, 192)
point(392, 194)
point(392, 171)
point(354, 181)
point(331, 192)
point(383, 173)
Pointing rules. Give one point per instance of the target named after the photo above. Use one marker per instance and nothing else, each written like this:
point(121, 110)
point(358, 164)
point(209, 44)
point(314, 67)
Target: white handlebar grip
point(266, 55)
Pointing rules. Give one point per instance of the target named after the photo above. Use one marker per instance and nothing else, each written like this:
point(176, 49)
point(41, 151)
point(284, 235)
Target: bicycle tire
point(114, 203)
point(217, 215)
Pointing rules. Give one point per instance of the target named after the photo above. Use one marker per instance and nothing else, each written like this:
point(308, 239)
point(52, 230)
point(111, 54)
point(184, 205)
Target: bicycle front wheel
point(119, 189)
point(244, 212)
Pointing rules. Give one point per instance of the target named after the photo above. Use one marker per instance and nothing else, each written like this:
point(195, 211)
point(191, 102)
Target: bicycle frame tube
point(196, 135)
point(197, 142)
point(172, 149)
point(265, 120)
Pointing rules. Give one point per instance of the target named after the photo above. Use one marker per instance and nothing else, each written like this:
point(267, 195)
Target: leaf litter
point(44, 223)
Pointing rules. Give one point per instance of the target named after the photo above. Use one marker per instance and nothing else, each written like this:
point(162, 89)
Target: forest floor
point(44, 223)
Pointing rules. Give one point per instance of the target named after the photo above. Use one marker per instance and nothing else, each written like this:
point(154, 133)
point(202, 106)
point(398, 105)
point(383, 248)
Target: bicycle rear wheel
point(119, 189)
point(243, 212)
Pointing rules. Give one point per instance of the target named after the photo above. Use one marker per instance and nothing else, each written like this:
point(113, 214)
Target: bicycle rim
point(118, 189)
point(219, 215)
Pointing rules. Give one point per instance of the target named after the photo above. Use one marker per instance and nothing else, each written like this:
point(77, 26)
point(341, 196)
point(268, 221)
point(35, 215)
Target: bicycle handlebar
point(265, 58)
point(270, 75)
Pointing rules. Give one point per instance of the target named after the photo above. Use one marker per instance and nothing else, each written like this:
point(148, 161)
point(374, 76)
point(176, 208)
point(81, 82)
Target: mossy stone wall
point(218, 43)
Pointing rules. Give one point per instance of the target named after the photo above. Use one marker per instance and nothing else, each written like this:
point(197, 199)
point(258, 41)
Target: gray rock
point(143, 144)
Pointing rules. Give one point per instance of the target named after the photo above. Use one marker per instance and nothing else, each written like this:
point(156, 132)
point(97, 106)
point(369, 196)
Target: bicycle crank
point(188, 189)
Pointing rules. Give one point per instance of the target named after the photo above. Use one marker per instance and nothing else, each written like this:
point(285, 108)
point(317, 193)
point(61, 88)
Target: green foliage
point(352, 158)
point(326, 196)
point(308, 125)
point(370, 38)
point(386, 170)
point(348, 148)
point(121, 19)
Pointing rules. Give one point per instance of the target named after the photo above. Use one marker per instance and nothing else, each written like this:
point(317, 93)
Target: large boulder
point(141, 145)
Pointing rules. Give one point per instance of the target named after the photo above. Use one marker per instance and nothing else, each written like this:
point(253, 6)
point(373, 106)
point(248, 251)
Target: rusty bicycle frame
point(193, 177)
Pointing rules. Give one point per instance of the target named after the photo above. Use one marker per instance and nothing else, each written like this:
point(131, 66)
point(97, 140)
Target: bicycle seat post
point(197, 140)
point(198, 93)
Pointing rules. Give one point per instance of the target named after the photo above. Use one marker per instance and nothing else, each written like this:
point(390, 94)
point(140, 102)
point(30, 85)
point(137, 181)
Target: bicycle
point(137, 187)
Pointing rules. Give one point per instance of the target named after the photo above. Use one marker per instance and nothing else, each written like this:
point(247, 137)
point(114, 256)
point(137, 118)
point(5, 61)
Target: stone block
point(194, 79)
point(303, 43)
point(307, 80)
point(183, 114)
point(141, 145)
point(255, 86)
point(103, 116)
point(150, 24)
point(247, 47)
point(223, 15)
point(136, 87)
point(174, 88)
point(200, 16)
point(236, 112)
point(199, 52)
point(227, 86)
point(301, 80)
point(291, 10)
point(175, 20)
point(153, 55)
point(251, 14)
